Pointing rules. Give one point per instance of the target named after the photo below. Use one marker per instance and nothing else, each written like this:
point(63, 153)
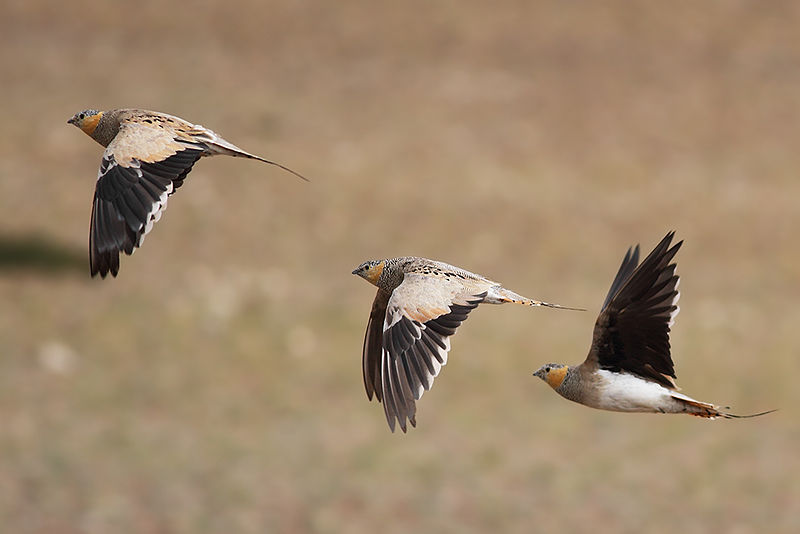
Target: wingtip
point(402, 422)
point(393, 425)
point(390, 420)
point(667, 240)
point(103, 270)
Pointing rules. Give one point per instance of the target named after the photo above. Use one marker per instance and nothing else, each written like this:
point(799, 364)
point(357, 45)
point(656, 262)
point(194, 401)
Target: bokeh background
point(215, 385)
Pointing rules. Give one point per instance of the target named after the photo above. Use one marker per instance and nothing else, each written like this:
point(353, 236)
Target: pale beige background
point(215, 386)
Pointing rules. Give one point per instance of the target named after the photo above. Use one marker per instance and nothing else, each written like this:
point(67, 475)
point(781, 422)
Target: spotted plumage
point(147, 157)
point(629, 367)
point(419, 305)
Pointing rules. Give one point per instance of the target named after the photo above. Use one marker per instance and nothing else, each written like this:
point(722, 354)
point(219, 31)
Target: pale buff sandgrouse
point(420, 303)
point(147, 157)
point(629, 367)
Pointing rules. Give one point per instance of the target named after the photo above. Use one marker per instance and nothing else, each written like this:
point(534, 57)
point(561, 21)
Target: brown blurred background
point(215, 386)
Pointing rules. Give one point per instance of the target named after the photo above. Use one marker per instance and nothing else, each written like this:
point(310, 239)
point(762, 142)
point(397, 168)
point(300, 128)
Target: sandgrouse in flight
point(147, 157)
point(629, 367)
point(420, 303)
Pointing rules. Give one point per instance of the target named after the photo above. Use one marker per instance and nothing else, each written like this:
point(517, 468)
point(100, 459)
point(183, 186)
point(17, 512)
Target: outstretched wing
point(420, 316)
point(141, 167)
point(626, 268)
point(631, 333)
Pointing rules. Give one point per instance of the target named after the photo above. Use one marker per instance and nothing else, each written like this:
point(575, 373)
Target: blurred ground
point(215, 386)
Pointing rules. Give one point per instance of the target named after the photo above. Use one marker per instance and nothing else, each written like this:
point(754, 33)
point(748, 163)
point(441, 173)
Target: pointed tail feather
point(551, 305)
point(735, 416)
point(709, 411)
point(221, 146)
point(285, 168)
point(502, 295)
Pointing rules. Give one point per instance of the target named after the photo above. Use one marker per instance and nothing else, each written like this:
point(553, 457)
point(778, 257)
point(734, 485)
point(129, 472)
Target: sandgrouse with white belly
point(629, 367)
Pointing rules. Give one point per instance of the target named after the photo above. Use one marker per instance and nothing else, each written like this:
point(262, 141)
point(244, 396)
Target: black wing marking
point(412, 356)
point(373, 345)
point(632, 331)
point(626, 268)
point(127, 201)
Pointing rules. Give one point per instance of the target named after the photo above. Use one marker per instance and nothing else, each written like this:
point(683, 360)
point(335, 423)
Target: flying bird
point(420, 303)
point(147, 157)
point(629, 367)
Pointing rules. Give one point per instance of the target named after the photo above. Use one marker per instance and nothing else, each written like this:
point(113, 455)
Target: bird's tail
point(221, 146)
point(501, 295)
point(284, 167)
point(710, 411)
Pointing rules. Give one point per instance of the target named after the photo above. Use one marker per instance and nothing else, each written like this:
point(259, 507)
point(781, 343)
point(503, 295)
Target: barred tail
point(501, 295)
point(709, 411)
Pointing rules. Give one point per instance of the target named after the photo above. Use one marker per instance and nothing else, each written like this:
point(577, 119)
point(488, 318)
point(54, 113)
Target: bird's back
point(428, 267)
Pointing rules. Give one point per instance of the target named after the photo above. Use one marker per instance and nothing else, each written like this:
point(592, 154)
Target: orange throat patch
point(374, 273)
point(556, 376)
point(89, 124)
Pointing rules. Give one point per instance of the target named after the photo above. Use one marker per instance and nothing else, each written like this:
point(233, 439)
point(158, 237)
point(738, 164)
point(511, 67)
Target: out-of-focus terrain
point(215, 385)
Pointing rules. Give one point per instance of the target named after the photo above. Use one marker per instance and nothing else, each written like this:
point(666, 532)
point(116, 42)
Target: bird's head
point(86, 120)
point(552, 373)
point(370, 270)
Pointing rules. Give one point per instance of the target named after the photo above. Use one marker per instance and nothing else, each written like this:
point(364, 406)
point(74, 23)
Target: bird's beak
point(71, 121)
point(355, 271)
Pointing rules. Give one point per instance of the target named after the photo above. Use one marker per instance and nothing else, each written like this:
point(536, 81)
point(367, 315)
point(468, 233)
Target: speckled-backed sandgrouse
point(420, 303)
point(147, 157)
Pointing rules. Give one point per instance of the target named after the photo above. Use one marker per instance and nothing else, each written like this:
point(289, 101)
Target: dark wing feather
point(627, 266)
point(412, 356)
point(632, 331)
point(373, 345)
point(128, 199)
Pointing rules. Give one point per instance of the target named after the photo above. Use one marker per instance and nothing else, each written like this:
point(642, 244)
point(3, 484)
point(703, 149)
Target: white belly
point(622, 392)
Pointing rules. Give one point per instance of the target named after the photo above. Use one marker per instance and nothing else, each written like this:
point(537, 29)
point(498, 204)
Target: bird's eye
point(82, 116)
point(546, 369)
